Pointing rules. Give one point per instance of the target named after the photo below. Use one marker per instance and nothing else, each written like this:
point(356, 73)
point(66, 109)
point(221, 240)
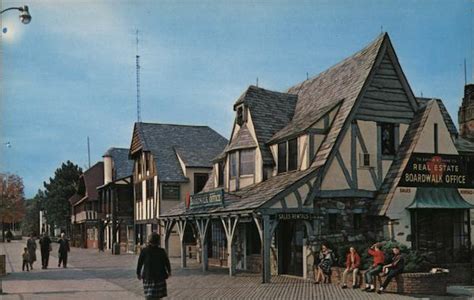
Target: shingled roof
point(91, 179)
point(123, 166)
point(243, 139)
point(196, 146)
point(447, 118)
point(248, 198)
point(341, 83)
point(388, 187)
point(270, 111)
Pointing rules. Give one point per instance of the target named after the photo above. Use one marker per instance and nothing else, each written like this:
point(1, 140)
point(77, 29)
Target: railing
point(86, 215)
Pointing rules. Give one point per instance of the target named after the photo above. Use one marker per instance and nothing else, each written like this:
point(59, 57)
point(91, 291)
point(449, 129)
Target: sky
point(70, 73)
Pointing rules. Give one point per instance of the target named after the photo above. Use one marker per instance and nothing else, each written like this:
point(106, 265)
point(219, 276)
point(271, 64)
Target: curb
point(458, 290)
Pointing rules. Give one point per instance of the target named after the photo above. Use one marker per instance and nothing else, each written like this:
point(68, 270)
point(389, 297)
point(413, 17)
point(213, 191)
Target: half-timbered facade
point(322, 162)
point(84, 207)
point(170, 163)
point(115, 209)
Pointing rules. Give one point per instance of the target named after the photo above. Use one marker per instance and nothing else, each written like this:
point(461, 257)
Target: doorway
point(290, 247)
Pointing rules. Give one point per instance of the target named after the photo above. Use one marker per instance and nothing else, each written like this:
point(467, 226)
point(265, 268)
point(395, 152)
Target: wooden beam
point(344, 169)
point(181, 224)
point(364, 149)
point(230, 224)
point(202, 226)
point(354, 154)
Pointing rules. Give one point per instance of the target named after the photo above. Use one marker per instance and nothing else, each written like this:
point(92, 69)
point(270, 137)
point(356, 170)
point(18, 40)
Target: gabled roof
point(74, 199)
point(91, 178)
point(388, 187)
point(196, 145)
point(270, 111)
point(447, 118)
point(243, 139)
point(248, 198)
point(123, 166)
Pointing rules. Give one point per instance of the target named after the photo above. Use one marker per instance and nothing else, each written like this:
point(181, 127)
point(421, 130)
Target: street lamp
point(25, 16)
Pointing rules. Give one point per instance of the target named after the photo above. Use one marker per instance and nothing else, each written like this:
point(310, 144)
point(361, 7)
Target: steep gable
point(388, 96)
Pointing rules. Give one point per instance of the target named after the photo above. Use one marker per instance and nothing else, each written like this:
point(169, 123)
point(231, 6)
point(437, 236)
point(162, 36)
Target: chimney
point(108, 167)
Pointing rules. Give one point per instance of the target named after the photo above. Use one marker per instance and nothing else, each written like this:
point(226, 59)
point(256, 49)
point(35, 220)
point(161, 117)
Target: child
point(26, 260)
point(376, 267)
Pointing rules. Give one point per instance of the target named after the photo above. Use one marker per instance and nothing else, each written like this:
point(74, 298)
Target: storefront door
point(290, 247)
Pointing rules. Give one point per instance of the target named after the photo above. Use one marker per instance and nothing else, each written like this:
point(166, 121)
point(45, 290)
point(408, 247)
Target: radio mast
point(137, 58)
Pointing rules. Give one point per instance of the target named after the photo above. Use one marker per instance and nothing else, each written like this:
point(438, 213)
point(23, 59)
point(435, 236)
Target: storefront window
point(247, 162)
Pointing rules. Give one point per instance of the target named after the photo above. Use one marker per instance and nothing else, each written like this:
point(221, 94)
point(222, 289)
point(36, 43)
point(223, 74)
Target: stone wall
point(406, 283)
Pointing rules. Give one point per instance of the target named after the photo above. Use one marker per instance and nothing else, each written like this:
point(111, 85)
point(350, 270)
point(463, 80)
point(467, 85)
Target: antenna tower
point(137, 57)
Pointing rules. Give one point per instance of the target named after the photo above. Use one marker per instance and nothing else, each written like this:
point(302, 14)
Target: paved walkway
point(93, 275)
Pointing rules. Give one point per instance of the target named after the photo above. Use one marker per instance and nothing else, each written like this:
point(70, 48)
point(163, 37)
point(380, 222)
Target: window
point(233, 164)
point(220, 175)
point(139, 166)
point(138, 191)
point(170, 192)
point(240, 115)
point(388, 138)
point(282, 157)
point(149, 188)
point(292, 154)
point(200, 180)
point(247, 162)
point(332, 222)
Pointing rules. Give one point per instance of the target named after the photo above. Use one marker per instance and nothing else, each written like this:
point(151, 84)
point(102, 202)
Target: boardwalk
point(93, 275)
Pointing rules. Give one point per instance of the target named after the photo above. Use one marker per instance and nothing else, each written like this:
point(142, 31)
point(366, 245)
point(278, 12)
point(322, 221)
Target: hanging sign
point(438, 170)
point(213, 198)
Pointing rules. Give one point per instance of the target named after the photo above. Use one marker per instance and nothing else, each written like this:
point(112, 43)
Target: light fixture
point(25, 16)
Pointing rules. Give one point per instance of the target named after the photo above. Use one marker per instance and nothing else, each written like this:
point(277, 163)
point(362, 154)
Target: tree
point(57, 193)
point(12, 206)
point(32, 209)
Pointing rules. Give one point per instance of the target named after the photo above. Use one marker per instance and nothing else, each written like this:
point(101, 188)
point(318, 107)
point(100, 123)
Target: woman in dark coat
point(154, 268)
point(31, 245)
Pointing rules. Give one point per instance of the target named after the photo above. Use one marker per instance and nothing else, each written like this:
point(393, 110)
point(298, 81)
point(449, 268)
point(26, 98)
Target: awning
point(446, 198)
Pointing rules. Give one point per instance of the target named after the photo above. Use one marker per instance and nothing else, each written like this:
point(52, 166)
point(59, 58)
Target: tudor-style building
point(323, 161)
point(115, 209)
point(84, 206)
point(171, 162)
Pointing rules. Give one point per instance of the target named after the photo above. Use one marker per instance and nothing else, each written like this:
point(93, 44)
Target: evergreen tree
point(57, 193)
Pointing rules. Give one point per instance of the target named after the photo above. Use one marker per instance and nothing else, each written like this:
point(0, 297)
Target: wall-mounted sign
point(213, 198)
point(441, 170)
point(170, 192)
point(295, 216)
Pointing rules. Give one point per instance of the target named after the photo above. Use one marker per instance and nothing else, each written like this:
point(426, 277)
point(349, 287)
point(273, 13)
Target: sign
point(170, 192)
point(295, 216)
point(214, 198)
point(438, 170)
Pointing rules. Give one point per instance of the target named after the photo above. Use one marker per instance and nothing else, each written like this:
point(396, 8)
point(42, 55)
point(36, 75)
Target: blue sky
point(70, 73)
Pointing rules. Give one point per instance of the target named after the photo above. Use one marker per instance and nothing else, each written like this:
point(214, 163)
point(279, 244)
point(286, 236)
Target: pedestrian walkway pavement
point(93, 275)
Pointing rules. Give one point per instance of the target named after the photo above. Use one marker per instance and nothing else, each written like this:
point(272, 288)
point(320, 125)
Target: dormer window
point(288, 156)
point(247, 162)
point(241, 115)
point(233, 164)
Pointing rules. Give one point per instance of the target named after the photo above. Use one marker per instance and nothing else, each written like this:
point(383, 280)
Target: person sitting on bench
point(376, 267)
point(393, 269)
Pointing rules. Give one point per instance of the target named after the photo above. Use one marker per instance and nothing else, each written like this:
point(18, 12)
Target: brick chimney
point(466, 114)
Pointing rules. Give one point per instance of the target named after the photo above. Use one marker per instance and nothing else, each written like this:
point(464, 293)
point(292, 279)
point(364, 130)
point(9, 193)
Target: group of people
point(326, 259)
point(29, 252)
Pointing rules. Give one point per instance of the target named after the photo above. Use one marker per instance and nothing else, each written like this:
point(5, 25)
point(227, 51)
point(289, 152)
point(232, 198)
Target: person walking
point(26, 260)
point(394, 268)
point(45, 247)
point(9, 236)
point(63, 250)
point(352, 265)
point(376, 267)
point(154, 268)
point(31, 245)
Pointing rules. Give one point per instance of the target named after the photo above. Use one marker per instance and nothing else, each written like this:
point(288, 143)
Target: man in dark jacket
point(63, 250)
point(154, 268)
point(394, 268)
point(45, 246)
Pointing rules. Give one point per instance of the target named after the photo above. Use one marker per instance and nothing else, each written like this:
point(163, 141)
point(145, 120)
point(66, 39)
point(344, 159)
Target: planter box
point(406, 283)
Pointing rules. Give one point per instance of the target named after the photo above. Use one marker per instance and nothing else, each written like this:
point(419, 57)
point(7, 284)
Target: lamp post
point(25, 16)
